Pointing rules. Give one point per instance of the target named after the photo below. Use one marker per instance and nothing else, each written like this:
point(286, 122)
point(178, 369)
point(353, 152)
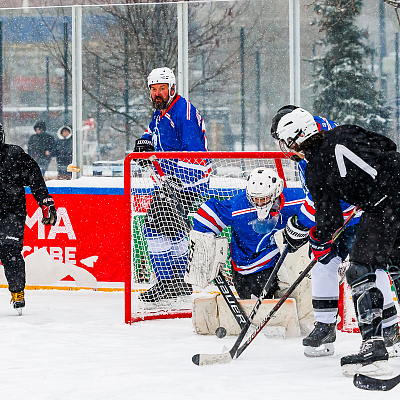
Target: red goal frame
point(277, 156)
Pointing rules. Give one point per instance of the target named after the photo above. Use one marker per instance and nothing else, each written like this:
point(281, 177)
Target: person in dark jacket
point(41, 146)
point(362, 168)
point(18, 169)
point(64, 152)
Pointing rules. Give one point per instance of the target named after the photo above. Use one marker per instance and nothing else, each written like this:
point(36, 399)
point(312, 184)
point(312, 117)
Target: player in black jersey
point(361, 168)
point(17, 170)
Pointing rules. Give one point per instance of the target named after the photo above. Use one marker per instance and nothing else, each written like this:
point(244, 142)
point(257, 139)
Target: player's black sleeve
point(328, 211)
point(31, 176)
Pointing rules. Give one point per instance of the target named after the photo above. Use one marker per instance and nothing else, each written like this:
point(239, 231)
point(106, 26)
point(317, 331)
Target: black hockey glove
point(49, 211)
point(295, 234)
point(324, 251)
point(143, 145)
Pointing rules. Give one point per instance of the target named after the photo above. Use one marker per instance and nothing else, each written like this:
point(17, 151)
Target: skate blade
point(377, 368)
point(326, 349)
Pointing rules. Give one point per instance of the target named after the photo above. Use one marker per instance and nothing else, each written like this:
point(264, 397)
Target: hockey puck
point(220, 332)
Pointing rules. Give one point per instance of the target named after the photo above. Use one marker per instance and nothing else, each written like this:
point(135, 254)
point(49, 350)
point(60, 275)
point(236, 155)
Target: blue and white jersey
point(253, 246)
point(181, 128)
point(307, 210)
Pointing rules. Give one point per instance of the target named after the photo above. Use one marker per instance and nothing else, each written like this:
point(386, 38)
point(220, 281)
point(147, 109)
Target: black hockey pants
point(11, 242)
point(246, 285)
point(376, 237)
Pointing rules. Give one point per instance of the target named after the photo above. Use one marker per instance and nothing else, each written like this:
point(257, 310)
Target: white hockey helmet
point(263, 187)
point(295, 127)
point(162, 75)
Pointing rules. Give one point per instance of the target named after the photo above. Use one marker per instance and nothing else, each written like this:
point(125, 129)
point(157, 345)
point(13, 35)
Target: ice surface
point(75, 345)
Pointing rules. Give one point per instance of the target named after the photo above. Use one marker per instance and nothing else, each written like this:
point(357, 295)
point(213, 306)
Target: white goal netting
point(159, 229)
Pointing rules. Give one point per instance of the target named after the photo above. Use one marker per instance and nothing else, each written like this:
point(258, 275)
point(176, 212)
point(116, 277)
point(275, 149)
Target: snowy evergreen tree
point(345, 87)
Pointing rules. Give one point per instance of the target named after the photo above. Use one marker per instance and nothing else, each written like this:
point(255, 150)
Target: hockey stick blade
point(368, 383)
point(225, 358)
point(210, 359)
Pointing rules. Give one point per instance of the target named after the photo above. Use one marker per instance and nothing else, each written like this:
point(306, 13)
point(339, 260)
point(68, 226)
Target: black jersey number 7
point(342, 151)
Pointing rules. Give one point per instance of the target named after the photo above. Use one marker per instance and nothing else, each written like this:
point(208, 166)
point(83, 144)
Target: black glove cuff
point(143, 145)
point(48, 201)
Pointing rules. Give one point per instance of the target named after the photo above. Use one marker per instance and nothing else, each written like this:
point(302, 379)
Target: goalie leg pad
point(288, 273)
point(212, 312)
point(205, 317)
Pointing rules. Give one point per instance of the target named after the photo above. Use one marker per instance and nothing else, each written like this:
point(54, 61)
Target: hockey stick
point(368, 383)
point(224, 358)
point(206, 359)
point(171, 191)
point(230, 300)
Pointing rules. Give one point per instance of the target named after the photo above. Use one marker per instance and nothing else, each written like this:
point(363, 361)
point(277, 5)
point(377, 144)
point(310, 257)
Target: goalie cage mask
point(263, 187)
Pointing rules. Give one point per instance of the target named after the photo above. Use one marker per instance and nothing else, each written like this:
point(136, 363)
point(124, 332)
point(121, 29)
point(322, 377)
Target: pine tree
point(345, 87)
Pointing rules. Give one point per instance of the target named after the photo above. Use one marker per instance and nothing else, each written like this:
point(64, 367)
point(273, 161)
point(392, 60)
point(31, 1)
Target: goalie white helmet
point(163, 75)
point(263, 187)
point(295, 127)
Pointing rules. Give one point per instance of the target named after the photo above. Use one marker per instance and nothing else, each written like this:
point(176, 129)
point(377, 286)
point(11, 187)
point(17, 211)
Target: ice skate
point(167, 289)
point(391, 337)
point(182, 288)
point(372, 359)
point(154, 294)
point(319, 342)
point(18, 301)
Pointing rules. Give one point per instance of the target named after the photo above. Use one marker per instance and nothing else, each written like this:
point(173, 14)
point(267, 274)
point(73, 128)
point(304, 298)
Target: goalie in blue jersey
point(255, 214)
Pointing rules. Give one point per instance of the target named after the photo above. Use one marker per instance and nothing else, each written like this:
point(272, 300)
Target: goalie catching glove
point(207, 254)
point(295, 234)
point(49, 211)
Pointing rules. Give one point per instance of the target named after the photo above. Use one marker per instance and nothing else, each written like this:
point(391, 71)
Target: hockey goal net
point(156, 242)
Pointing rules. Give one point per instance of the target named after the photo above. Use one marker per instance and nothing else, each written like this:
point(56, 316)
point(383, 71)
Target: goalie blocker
point(207, 255)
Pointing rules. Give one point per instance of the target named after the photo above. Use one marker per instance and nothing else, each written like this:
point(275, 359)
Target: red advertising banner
point(86, 243)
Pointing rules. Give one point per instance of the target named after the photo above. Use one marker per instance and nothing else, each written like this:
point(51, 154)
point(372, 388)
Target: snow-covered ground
point(75, 345)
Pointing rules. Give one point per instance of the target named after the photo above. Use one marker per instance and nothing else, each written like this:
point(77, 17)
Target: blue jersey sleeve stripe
point(209, 213)
point(206, 223)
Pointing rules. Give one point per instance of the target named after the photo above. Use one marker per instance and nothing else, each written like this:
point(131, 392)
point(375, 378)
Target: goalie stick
point(171, 191)
point(236, 350)
point(368, 383)
point(231, 300)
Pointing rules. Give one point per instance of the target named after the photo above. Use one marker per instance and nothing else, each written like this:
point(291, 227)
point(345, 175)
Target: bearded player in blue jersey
point(176, 126)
